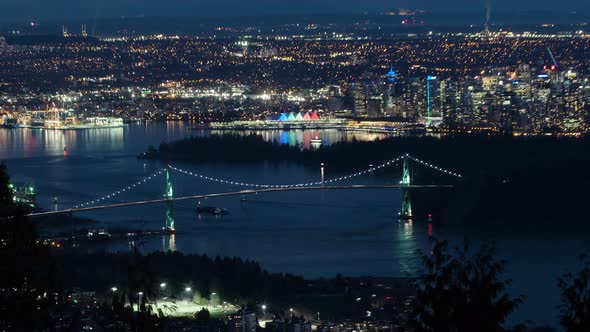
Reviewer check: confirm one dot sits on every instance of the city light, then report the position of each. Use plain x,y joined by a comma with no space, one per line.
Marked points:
246,108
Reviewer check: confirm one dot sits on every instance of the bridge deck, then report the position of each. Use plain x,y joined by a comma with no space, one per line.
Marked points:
232,193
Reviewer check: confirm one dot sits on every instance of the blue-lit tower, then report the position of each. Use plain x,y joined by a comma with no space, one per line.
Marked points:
391,75
390,89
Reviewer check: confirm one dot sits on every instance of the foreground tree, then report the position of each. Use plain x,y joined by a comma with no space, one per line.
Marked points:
26,278
574,310
462,291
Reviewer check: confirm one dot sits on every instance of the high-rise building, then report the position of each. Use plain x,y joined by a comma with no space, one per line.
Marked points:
360,99
375,106
243,321
490,83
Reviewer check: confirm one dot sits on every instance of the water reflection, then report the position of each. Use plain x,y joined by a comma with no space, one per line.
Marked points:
306,139
169,242
31,143
406,247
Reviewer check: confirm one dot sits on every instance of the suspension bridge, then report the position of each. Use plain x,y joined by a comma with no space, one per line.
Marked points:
406,186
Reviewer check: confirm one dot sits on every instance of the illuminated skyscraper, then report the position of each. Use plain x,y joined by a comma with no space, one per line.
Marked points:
243,321
429,78
360,99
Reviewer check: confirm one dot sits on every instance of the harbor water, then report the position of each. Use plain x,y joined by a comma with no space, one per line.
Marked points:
316,233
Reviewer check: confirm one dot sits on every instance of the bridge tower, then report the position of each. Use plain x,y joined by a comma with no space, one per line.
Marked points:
406,182
169,194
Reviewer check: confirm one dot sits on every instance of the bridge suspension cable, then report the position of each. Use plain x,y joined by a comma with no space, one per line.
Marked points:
308,184
440,169
388,163
120,191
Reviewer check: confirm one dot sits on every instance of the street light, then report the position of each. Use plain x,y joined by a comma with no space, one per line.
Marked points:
163,285
264,307
139,298
188,289
114,289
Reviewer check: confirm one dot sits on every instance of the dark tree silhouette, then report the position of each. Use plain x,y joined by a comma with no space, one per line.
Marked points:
203,315
26,277
461,291
574,310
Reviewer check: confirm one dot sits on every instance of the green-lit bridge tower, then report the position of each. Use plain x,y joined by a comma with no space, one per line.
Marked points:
406,182
169,194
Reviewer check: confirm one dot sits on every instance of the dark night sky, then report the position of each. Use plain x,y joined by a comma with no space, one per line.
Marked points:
17,10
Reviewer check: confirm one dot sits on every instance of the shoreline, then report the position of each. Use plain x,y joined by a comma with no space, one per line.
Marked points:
77,127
